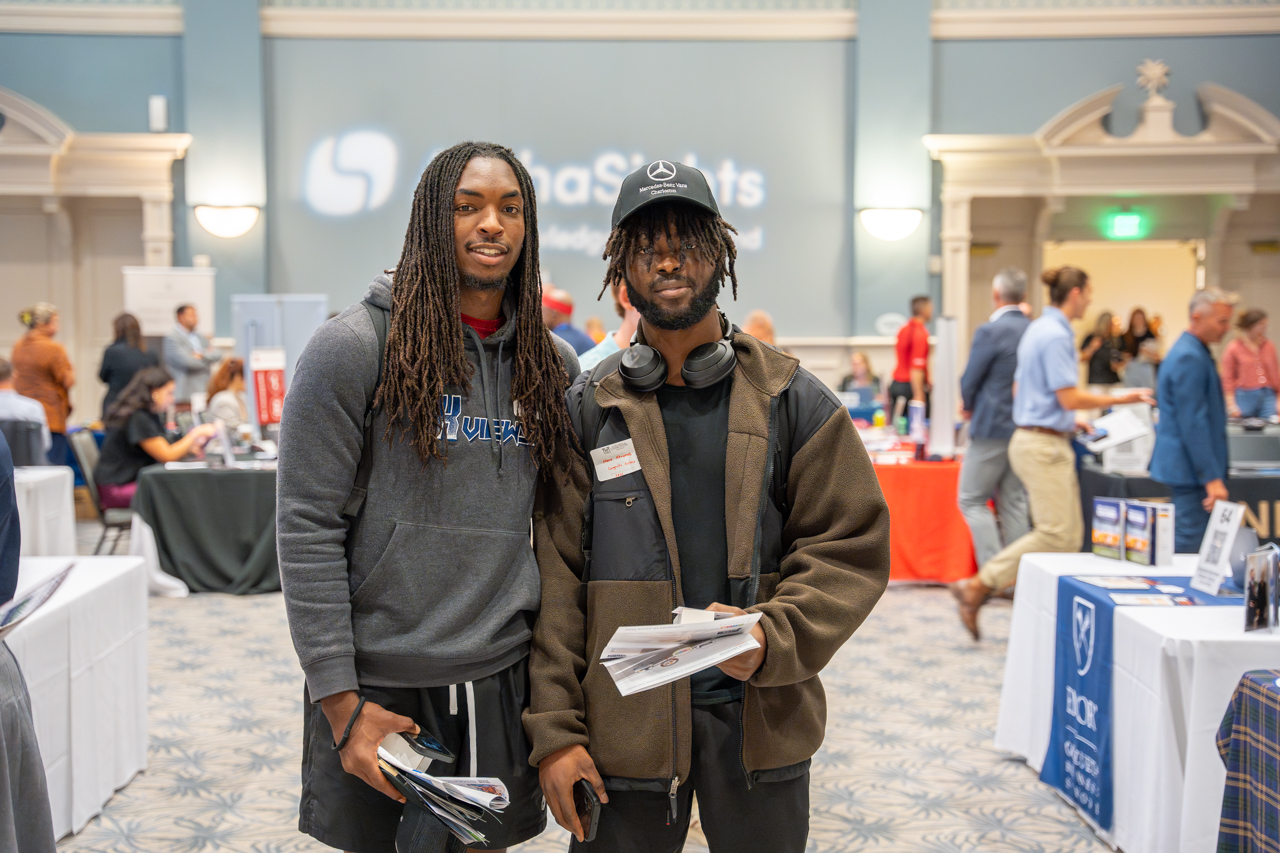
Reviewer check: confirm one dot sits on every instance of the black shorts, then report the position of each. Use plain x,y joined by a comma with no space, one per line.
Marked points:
340,810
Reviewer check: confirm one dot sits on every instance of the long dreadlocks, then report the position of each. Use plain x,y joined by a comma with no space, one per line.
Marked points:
425,352
708,230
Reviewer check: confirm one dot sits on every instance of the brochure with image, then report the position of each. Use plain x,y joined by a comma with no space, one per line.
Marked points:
457,801
642,657
13,612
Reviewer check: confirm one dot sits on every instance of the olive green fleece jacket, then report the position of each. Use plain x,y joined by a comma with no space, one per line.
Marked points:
814,578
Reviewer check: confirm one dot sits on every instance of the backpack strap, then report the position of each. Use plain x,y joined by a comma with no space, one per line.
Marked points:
355,503
590,416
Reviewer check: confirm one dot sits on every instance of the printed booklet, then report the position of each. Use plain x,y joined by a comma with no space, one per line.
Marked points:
642,657
13,612
456,800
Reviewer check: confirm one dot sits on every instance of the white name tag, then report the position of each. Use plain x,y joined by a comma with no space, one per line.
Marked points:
615,460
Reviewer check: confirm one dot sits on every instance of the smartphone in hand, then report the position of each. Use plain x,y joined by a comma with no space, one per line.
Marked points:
586,802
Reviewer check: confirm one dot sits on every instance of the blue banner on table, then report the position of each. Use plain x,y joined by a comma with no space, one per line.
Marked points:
1078,761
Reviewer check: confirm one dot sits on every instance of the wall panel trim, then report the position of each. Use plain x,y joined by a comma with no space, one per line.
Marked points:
83,18
1104,22
605,25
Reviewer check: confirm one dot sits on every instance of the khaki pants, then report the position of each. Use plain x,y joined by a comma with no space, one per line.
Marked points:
1046,464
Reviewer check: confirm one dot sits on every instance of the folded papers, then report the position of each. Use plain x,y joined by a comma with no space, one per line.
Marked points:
642,657
458,801
21,606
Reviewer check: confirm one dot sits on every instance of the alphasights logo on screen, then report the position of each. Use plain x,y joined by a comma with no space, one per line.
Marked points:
355,173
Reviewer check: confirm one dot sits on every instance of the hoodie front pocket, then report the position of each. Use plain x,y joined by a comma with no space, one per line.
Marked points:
446,591
626,539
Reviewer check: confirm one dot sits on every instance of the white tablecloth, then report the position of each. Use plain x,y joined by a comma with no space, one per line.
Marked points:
46,510
142,543
84,656
1174,670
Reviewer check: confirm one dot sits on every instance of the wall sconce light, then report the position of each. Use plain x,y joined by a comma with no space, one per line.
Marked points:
226,221
891,224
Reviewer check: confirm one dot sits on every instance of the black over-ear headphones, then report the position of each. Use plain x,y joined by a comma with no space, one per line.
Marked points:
644,369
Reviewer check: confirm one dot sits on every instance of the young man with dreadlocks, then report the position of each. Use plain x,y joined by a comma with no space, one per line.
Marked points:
750,491
406,491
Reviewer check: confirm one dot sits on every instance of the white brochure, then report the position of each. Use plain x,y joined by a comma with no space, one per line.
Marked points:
641,657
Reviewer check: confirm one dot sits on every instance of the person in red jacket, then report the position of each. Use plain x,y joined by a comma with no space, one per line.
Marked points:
911,376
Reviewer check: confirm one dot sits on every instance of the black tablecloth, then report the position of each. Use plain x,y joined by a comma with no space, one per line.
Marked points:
215,529
1259,492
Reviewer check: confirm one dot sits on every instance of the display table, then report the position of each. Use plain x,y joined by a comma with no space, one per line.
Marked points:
214,529
928,537
46,510
84,657
1257,491
1174,672
1247,743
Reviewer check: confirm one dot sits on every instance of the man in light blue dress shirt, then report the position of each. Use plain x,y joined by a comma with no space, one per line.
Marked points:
614,341
1045,400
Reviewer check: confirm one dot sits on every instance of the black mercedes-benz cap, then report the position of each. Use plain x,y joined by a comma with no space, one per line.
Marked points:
662,180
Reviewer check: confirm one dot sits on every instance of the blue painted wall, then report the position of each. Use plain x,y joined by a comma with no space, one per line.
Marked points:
1017,86
95,83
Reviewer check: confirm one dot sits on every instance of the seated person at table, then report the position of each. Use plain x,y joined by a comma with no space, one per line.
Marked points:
135,436
15,407
226,394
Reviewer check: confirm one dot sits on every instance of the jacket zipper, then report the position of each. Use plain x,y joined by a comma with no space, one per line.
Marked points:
753,588
675,746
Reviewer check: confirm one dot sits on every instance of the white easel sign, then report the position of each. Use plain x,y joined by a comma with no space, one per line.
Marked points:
1215,549
152,294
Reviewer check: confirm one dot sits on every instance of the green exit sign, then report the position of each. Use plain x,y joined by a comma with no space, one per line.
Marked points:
1125,225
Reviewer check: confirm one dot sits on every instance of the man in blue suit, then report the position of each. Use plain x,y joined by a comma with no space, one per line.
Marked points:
987,391
1190,456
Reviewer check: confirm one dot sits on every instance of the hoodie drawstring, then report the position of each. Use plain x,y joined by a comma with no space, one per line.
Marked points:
470,689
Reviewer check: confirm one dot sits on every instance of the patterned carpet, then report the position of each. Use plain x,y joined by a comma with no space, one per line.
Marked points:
907,766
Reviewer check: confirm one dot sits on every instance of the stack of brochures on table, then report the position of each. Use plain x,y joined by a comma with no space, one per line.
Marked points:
13,612
642,657
456,800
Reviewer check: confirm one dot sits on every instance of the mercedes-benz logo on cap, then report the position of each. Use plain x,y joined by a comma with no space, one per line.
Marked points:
661,170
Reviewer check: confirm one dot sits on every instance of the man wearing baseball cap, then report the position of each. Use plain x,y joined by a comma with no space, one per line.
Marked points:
748,491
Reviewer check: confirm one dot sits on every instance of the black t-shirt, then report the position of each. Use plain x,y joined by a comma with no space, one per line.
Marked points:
122,456
1100,372
697,425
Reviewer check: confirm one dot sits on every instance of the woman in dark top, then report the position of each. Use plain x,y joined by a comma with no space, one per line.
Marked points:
124,358
135,436
1138,332
1101,350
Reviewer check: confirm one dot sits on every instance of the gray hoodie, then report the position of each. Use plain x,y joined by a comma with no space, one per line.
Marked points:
435,583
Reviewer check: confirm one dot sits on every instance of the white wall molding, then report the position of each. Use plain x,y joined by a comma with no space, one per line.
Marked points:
122,19
806,25
1104,22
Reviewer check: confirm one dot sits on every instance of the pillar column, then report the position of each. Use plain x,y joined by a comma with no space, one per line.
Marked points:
957,239
892,169
226,164
157,230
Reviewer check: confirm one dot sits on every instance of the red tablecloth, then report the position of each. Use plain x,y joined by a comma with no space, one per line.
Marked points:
928,538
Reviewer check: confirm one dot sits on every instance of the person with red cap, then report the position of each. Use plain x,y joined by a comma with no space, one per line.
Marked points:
557,312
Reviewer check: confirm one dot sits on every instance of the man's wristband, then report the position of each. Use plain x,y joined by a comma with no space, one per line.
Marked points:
346,733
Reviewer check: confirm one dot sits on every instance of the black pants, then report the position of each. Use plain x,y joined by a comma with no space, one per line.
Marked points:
771,817
340,810
903,390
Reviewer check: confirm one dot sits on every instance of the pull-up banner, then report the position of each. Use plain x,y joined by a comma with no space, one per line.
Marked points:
1078,762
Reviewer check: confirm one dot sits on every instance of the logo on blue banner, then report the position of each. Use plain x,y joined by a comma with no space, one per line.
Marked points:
1083,619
